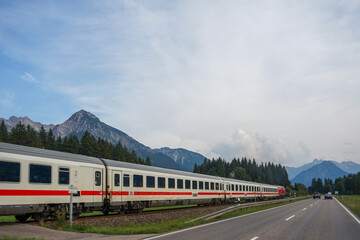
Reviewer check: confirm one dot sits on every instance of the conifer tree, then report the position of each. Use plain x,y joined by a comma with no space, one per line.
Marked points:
4,134
50,140
18,134
148,161
43,136
73,144
32,138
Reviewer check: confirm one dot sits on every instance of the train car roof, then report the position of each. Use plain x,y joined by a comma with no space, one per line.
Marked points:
38,152
128,165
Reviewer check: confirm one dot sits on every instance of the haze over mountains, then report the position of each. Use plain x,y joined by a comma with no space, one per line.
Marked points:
82,121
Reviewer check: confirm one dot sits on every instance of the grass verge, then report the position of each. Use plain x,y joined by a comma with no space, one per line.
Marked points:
166,226
352,202
12,238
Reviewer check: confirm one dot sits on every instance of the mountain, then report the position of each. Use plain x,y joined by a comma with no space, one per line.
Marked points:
326,169
12,121
183,157
293,171
348,166
82,121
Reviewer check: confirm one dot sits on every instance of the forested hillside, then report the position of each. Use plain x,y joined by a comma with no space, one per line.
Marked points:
88,145
245,169
348,185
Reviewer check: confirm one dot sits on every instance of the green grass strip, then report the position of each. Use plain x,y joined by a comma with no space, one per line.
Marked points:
352,202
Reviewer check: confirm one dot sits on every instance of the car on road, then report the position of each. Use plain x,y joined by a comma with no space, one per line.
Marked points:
328,196
316,195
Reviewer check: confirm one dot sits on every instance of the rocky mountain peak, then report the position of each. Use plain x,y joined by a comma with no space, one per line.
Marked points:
82,116
83,121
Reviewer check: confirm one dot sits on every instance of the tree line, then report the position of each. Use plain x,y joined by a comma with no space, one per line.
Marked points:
245,169
88,145
347,185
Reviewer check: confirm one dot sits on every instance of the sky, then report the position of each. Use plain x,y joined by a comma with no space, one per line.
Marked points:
277,81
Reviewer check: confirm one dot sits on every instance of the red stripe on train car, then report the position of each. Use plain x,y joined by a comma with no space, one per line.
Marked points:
92,193
16,192
120,193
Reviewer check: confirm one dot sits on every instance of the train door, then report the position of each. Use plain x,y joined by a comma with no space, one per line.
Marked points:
126,186
98,187
116,187
226,191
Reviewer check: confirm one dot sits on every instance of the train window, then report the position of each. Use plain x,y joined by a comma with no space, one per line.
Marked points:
206,185
161,182
194,184
117,180
180,184
221,186
201,185
237,188
217,186
126,180
40,173
64,176
187,184
246,188
212,186
171,183
232,187
150,181
138,180
9,172
97,178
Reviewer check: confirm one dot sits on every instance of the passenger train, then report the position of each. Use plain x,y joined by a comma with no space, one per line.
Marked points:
36,182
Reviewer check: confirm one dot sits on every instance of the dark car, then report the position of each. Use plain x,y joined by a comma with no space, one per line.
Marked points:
316,195
328,196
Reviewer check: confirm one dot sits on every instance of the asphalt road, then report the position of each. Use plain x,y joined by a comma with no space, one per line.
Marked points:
308,219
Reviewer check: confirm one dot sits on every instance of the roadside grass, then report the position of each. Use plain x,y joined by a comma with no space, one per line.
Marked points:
167,226
10,219
6,219
13,238
352,202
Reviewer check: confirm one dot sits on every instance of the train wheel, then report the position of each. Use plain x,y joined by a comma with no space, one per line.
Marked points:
40,216
122,211
22,218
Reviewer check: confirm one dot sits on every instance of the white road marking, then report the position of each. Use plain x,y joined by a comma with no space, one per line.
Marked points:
289,218
357,220
208,224
254,238
304,209
311,205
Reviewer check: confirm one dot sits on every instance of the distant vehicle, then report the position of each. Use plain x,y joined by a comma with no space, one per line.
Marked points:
328,196
316,195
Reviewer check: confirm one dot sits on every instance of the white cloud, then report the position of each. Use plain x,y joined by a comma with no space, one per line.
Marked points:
29,78
186,74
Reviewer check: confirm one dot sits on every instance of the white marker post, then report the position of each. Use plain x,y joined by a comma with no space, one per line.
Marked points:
72,190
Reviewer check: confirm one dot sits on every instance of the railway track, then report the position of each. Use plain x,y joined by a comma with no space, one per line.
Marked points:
115,220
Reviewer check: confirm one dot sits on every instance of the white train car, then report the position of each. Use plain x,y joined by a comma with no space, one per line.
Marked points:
36,181
133,187
238,189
